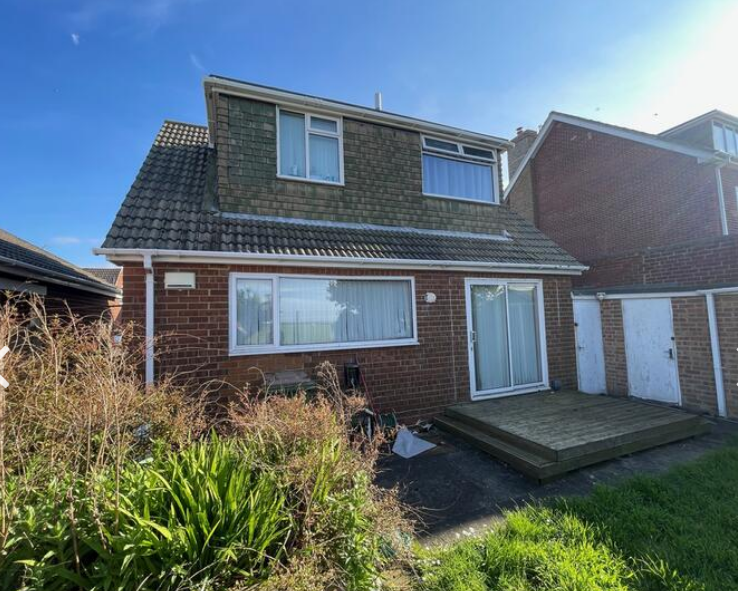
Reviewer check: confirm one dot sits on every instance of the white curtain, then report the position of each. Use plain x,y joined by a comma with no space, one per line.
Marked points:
324,158
443,176
489,318
254,312
291,144
524,344
324,311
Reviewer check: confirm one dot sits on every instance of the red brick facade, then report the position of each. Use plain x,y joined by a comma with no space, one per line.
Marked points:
694,355
597,194
704,263
613,340
726,308
416,381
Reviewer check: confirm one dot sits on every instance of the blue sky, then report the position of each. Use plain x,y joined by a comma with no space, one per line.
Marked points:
86,84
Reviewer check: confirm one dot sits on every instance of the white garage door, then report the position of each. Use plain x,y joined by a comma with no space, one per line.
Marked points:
590,352
649,349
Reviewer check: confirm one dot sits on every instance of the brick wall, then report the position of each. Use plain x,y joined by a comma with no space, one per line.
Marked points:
613,340
382,176
521,197
726,309
694,355
415,381
703,263
599,195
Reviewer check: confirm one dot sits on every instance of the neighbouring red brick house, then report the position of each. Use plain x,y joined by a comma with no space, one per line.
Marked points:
294,229
655,217
64,287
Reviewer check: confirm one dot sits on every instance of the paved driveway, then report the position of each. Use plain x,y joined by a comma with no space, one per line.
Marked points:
456,488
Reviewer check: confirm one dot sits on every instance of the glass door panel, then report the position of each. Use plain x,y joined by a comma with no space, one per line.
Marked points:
524,339
489,323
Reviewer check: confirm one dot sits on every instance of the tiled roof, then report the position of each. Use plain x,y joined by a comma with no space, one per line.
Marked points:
26,258
107,274
171,207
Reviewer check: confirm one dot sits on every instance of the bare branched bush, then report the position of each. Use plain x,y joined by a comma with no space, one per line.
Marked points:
76,400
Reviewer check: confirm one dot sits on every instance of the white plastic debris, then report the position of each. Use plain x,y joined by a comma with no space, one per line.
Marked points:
408,445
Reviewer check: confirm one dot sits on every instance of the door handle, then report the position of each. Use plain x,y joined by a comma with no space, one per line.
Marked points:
671,352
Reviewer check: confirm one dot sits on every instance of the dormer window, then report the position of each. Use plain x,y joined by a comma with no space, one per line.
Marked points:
459,171
309,147
725,138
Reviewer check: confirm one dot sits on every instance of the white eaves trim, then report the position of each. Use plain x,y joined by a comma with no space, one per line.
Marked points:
293,100
230,258
613,130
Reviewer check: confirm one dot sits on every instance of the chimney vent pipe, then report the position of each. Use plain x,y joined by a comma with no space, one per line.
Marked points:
378,101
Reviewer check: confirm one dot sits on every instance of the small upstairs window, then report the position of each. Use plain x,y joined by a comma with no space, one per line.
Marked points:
725,138
310,147
458,171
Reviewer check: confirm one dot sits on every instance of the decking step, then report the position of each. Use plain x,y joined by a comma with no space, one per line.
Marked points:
542,468
530,464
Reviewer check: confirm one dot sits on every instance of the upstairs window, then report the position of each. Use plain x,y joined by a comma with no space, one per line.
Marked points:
309,147
725,138
458,171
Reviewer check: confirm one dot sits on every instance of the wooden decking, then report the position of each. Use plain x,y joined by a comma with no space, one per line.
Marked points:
545,435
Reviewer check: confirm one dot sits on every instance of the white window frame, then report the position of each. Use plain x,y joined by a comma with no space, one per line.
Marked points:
308,132
462,157
542,348
236,350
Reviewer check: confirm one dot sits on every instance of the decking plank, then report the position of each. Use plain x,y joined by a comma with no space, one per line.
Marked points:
569,427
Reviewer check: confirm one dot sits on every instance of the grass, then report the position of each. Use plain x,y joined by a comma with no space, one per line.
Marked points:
674,532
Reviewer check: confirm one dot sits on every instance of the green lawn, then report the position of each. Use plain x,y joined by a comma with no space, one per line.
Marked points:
676,532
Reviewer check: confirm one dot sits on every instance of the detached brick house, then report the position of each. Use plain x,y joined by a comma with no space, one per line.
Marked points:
27,269
655,218
294,229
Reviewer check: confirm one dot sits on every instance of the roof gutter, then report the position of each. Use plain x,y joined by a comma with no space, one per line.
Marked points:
301,101
215,257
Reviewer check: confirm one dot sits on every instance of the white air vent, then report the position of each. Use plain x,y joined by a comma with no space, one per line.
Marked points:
174,280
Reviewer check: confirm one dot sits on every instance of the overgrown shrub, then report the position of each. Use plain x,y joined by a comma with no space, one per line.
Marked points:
107,484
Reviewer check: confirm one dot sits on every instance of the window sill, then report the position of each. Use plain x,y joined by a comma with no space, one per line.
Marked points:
241,351
464,199
299,179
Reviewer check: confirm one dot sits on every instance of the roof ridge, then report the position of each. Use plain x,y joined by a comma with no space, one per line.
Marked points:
187,123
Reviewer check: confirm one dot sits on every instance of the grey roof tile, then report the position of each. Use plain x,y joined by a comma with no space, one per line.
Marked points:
27,257
165,209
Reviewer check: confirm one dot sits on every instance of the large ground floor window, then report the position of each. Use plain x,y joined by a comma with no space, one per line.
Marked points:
282,313
506,336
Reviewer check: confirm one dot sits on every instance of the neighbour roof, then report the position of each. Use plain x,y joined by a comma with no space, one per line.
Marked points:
714,114
624,132
106,274
169,207
27,260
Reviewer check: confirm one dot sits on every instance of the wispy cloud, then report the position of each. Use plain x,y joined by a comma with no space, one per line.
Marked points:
195,61
151,14
73,241
75,38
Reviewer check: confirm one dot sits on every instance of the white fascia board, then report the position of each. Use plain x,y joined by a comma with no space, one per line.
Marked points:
230,258
635,136
300,101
